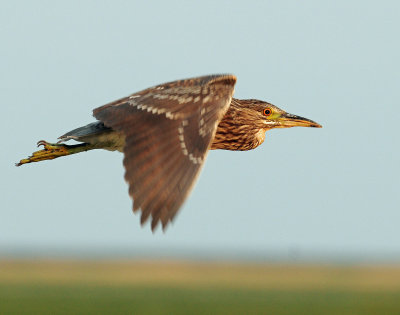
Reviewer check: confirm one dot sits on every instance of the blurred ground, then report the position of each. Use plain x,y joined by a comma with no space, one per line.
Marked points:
148,287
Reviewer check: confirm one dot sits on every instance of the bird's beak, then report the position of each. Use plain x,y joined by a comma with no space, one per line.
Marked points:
288,120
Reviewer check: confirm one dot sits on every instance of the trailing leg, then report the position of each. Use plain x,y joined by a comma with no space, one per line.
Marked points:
54,150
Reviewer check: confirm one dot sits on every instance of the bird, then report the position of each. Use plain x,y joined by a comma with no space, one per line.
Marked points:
165,133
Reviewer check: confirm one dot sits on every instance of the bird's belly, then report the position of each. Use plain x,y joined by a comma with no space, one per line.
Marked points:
110,140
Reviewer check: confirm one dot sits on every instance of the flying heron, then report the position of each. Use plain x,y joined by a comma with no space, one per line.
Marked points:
165,133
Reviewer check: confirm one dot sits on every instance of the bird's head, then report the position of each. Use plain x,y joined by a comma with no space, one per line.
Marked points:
246,121
269,116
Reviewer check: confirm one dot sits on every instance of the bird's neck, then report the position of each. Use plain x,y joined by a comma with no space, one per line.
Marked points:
237,130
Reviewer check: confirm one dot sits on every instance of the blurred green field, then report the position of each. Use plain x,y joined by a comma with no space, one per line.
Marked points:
126,287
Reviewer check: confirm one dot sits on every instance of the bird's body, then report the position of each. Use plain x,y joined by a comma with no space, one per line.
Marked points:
165,133
234,131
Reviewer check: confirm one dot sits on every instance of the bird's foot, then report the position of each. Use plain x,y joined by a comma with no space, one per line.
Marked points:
50,151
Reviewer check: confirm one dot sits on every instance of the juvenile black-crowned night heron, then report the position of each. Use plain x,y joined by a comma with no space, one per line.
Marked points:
165,133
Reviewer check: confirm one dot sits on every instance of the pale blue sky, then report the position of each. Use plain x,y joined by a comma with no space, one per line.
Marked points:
334,189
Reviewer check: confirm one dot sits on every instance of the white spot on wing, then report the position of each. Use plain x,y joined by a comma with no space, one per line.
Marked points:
156,110
194,159
206,99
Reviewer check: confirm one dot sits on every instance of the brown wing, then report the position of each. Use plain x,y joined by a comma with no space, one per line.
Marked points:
169,129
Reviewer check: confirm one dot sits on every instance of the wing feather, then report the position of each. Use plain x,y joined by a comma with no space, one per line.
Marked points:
168,131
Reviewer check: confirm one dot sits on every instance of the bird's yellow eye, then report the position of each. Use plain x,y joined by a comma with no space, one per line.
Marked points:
267,112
